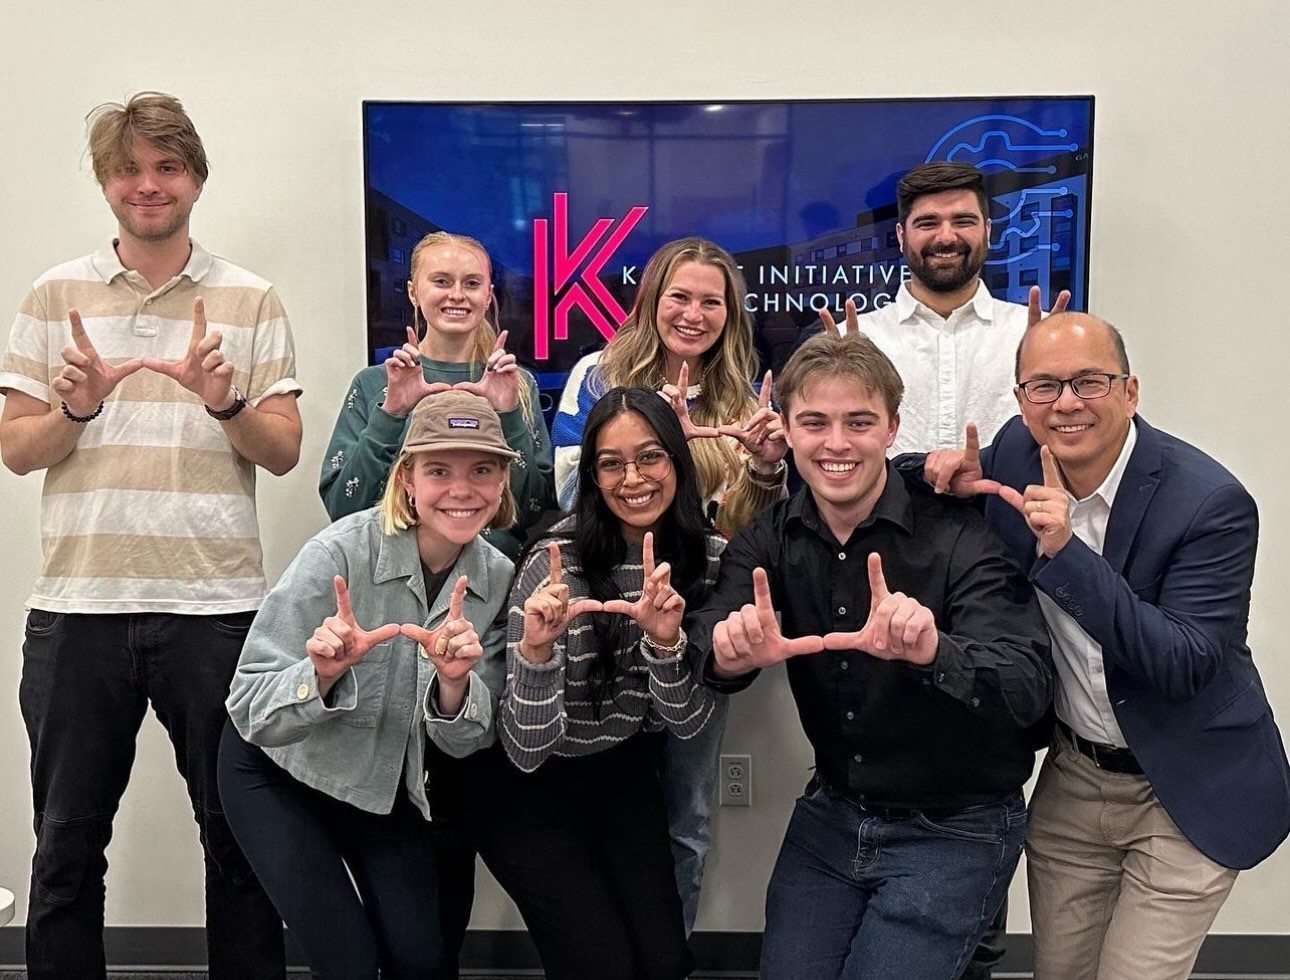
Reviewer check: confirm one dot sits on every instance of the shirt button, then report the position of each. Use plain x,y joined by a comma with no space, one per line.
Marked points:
424,655
473,711
851,715
842,610
858,757
940,678
1097,668
845,665
302,691
975,702
842,556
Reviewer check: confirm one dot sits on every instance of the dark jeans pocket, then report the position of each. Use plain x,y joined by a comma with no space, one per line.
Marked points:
234,624
985,824
42,622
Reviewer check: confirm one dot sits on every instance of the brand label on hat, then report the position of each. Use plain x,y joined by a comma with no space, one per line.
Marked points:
462,422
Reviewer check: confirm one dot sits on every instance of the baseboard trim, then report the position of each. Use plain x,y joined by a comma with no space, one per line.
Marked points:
162,948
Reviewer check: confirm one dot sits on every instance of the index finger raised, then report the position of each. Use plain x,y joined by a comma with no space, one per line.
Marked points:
973,444
79,337
343,607
553,553
647,555
830,324
199,319
500,344
877,580
457,599
853,317
761,591
1052,472
767,386
1034,312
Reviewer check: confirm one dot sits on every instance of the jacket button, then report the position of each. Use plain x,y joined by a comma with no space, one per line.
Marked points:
302,691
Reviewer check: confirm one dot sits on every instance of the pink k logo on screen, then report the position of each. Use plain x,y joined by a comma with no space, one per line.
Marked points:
572,278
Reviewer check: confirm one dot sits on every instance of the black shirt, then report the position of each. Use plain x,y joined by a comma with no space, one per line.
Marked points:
890,733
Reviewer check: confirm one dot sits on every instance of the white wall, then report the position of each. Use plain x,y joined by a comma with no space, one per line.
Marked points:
1191,102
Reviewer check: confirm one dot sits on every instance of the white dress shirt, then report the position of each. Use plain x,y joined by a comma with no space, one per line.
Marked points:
1081,699
957,369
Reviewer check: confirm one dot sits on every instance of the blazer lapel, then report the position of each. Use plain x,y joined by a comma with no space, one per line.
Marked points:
1137,487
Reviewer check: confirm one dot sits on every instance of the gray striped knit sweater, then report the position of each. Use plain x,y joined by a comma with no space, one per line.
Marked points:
546,710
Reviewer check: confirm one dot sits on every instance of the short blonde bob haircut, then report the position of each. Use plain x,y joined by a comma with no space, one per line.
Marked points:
397,513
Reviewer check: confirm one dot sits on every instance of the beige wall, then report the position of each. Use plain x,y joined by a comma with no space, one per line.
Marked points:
1191,101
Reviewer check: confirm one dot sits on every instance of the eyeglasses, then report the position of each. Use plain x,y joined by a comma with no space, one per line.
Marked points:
1045,391
653,465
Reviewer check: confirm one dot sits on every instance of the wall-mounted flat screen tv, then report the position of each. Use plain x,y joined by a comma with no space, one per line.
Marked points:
571,198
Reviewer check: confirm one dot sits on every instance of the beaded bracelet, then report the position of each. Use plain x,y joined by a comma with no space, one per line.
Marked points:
67,413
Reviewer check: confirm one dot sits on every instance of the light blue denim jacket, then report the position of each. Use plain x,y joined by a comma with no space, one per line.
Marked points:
373,734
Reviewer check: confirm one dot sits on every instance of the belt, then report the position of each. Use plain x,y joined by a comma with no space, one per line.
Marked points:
933,813
1108,757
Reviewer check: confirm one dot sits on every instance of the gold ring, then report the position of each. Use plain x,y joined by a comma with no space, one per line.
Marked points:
1039,505
441,644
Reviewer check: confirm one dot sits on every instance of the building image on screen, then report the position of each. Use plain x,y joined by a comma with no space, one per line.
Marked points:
570,199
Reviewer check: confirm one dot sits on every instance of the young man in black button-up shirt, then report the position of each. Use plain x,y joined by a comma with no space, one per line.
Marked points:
918,658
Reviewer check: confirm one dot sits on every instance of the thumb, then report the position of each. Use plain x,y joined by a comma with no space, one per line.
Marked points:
418,634
1012,498
382,633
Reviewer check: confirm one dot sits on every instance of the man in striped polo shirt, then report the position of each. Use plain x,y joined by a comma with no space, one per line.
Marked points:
148,380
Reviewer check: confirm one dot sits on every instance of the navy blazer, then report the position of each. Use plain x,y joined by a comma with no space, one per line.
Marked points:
1169,602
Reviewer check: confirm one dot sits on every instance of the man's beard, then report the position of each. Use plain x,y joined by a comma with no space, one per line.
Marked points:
946,278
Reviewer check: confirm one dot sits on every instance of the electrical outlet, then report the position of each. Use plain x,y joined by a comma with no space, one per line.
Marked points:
736,780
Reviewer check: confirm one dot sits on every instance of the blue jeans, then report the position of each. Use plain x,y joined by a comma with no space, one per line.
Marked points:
87,681
861,896
688,772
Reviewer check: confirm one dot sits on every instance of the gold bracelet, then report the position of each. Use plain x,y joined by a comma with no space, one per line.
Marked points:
668,651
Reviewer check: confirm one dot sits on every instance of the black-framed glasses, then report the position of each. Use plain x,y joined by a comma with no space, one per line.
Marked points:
653,465
1045,391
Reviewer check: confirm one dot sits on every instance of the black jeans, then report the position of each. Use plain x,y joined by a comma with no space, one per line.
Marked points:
449,784
358,890
581,846
86,682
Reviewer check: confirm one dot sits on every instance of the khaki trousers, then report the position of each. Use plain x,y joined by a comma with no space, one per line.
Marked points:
1116,891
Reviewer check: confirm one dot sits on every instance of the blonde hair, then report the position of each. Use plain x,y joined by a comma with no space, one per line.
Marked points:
485,335
153,117
398,515
636,355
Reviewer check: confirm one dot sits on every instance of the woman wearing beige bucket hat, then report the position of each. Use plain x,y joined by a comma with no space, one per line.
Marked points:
378,637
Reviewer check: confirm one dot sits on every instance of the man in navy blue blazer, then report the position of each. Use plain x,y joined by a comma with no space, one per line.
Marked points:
1166,773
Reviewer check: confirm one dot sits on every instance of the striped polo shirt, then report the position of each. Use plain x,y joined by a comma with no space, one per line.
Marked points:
153,511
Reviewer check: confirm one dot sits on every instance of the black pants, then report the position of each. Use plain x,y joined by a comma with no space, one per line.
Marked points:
306,846
581,846
449,784
87,681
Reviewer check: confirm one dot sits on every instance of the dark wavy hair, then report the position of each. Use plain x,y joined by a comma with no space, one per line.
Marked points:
597,536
